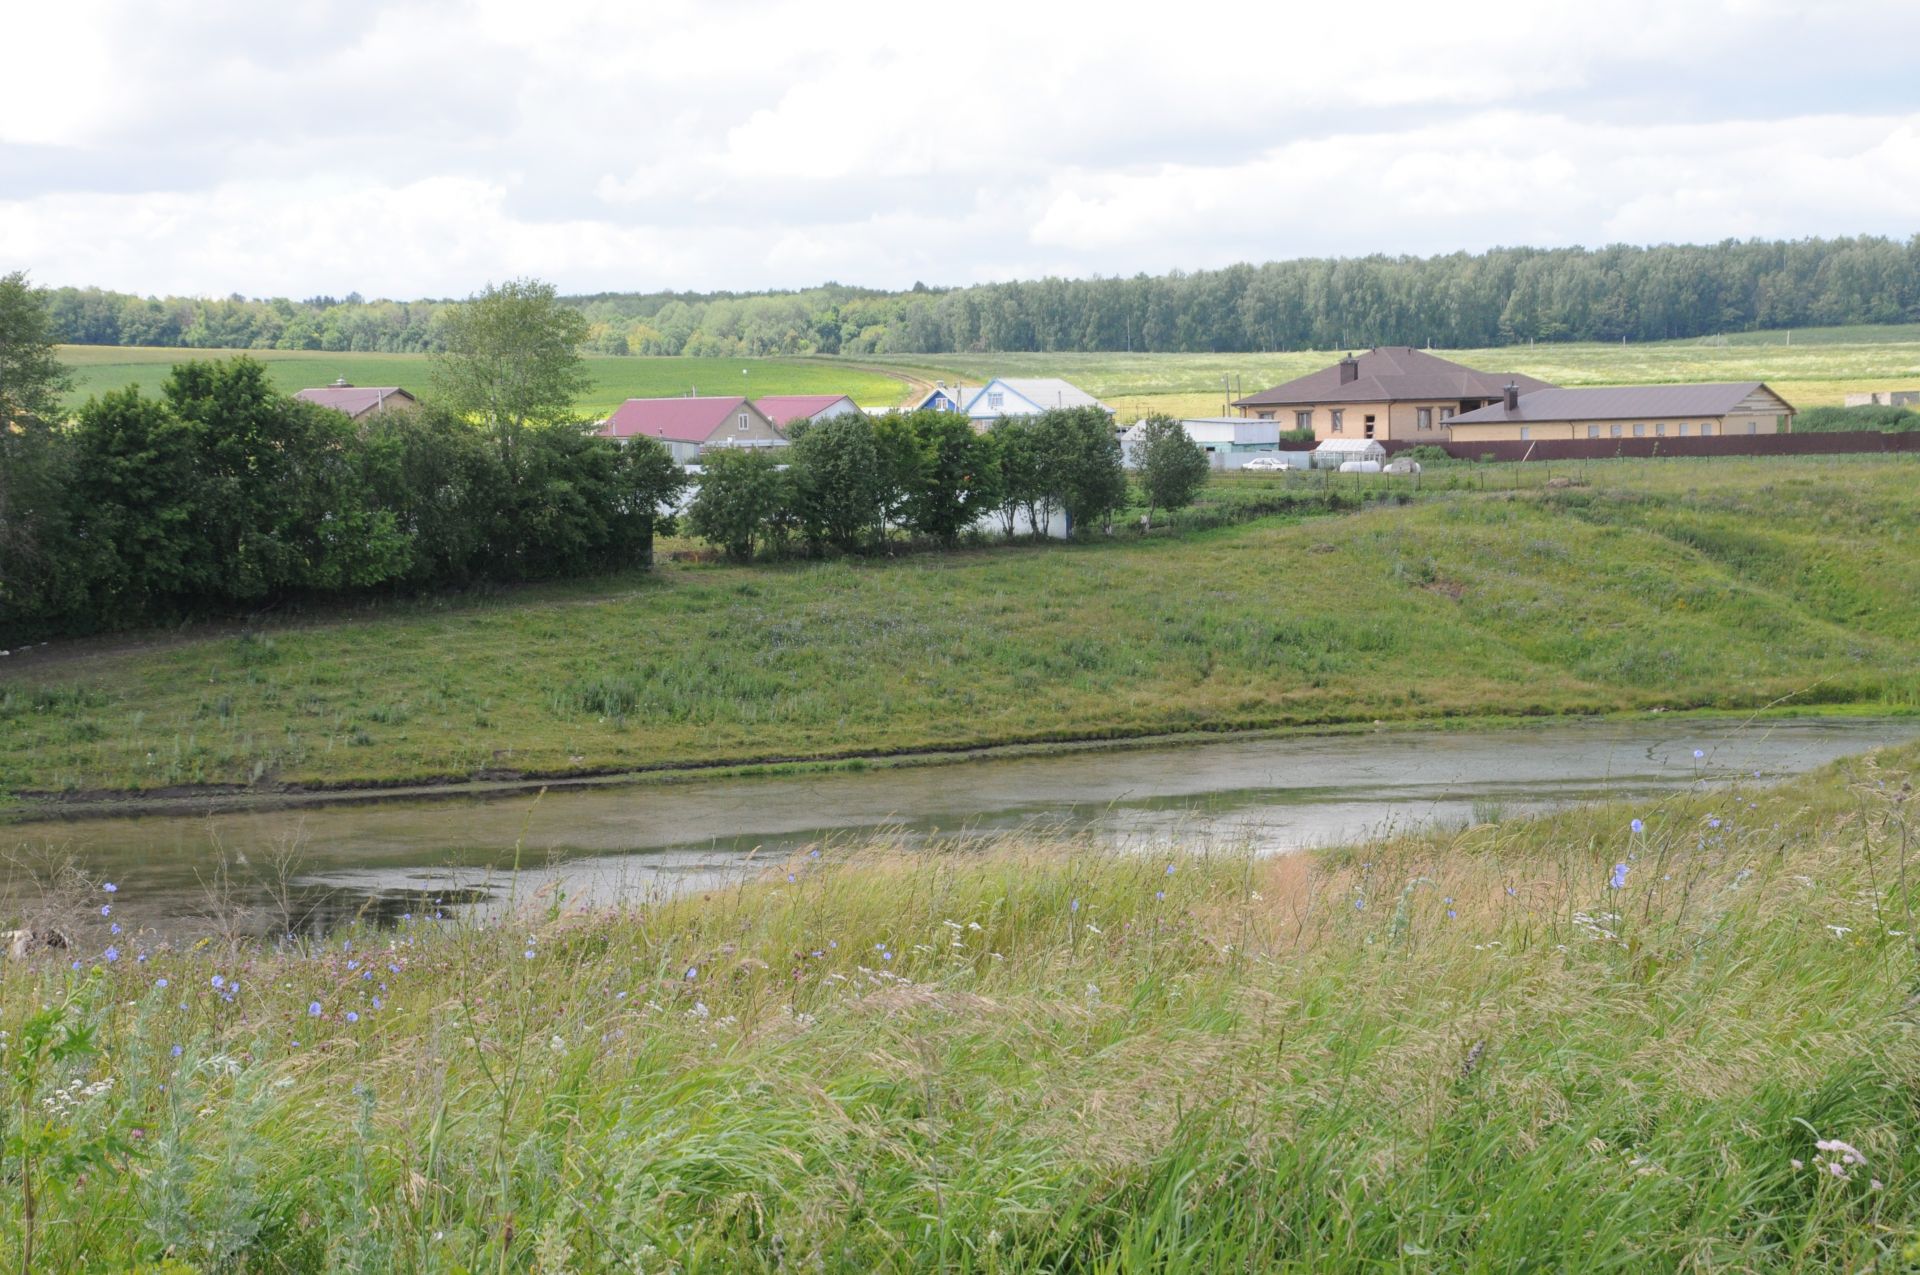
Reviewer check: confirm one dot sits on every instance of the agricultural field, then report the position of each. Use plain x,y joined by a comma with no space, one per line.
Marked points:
97,369
1723,584
1815,368
1665,1035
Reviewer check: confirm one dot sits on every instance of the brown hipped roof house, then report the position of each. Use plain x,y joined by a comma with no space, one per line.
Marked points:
1390,392
1628,411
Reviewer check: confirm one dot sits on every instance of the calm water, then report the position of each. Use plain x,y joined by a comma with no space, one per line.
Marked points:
625,842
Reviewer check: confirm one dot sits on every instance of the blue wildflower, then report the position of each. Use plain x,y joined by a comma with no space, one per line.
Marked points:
114,928
106,909
1159,894
1449,914
111,888
693,971
353,1016
1638,826
1169,869
112,954
218,981
1618,880
1697,754
1074,906
313,1009
529,954
177,1051
159,982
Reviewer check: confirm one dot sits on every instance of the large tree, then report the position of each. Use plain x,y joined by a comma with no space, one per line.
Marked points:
511,357
956,479
1172,467
742,493
1080,457
838,487
32,456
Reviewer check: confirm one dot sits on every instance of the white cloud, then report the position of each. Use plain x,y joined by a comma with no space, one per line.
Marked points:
427,146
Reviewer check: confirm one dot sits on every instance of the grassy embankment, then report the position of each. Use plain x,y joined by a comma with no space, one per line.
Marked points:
1562,1044
97,369
1817,368
1723,584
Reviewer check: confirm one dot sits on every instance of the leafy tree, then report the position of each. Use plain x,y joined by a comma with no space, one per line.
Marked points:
1172,467
897,448
1080,458
837,484
511,357
33,457
742,493
1015,452
956,479
139,502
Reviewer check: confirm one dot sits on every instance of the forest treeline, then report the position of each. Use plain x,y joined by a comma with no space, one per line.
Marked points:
1461,300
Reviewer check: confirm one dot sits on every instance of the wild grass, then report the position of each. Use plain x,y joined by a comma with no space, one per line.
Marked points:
1574,1042
97,369
1658,584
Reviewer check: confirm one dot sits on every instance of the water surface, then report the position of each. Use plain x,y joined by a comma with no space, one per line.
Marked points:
305,869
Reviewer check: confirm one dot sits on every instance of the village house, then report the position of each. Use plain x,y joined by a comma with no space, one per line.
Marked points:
1627,411
784,409
690,425
941,398
1391,392
359,401
1025,396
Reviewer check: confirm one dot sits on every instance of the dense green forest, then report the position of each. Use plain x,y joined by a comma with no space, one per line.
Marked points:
1458,301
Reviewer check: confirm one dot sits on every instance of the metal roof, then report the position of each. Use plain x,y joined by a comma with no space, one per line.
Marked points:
1619,403
1391,374
355,400
782,408
1044,392
679,420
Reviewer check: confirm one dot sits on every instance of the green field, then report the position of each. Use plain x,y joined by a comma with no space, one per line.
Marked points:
97,369
1815,369
1564,1044
1727,584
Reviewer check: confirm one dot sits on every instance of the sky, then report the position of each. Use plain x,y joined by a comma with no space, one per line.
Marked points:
426,149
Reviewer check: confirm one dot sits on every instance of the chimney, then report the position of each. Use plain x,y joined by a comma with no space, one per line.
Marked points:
1349,370
1513,397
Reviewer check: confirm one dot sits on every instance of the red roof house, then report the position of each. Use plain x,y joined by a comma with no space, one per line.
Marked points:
689,424
784,409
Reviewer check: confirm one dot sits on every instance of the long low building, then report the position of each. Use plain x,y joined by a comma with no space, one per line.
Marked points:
1627,411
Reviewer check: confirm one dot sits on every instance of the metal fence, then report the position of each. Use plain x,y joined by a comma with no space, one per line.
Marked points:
1838,444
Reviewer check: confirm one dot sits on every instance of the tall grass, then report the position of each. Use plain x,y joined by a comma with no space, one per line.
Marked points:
1549,1044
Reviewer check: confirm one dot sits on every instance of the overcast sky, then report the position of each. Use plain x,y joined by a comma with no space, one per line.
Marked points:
425,149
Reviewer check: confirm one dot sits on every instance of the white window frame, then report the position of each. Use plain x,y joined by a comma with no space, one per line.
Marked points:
1339,417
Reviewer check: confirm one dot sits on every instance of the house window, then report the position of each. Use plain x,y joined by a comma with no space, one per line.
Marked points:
1446,414
1593,431
1303,420
1683,429
1660,429
1525,433
1339,419
1613,431
1266,416
1706,427
1640,431
1753,427
1426,418
995,399
1369,424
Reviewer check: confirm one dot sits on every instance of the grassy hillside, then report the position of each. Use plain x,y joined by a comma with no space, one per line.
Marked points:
1728,583
1816,369
97,369
1658,1037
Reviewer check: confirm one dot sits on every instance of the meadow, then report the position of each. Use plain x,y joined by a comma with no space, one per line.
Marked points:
1657,1036
97,369
1814,368
1729,584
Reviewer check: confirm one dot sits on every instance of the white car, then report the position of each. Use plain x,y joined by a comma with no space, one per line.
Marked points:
1267,463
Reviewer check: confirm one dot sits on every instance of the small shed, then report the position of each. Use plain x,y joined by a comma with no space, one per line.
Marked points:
1335,452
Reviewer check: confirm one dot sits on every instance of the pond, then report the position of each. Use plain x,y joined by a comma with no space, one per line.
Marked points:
267,871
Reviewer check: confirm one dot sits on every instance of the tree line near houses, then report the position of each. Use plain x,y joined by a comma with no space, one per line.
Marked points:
1460,300
221,493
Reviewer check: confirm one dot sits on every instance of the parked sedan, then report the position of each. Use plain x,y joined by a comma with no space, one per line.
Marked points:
1267,463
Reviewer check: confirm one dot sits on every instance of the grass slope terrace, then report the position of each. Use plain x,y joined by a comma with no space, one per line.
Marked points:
1651,1037
1707,584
